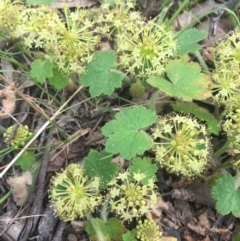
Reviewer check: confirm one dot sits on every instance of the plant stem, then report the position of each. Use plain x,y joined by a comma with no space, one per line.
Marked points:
221,150
202,62
182,6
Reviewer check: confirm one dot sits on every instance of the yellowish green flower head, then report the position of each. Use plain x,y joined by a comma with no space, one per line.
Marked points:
74,194
181,145
38,26
232,128
130,198
228,51
10,15
17,138
226,85
119,17
148,231
226,80
144,49
69,41
75,42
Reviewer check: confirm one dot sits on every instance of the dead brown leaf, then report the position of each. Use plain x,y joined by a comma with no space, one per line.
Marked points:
8,101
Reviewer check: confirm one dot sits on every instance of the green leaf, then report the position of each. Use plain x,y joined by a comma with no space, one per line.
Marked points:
124,135
100,165
185,81
112,230
45,2
187,41
129,236
26,160
58,80
99,76
226,195
200,113
143,166
41,70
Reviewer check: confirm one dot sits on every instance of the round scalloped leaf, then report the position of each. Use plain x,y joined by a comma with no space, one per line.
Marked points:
185,81
99,76
125,135
26,160
226,195
100,165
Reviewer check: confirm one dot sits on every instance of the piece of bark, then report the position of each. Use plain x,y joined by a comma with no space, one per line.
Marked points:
47,224
38,199
195,192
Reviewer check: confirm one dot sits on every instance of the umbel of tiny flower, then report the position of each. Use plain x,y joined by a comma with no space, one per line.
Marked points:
232,128
74,194
75,43
38,26
227,52
226,84
10,15
144,49
69,43
181,145
115,19
19,137
130,198
226,81
148,231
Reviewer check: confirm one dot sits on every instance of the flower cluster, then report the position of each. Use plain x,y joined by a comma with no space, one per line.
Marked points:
74,194
181,145
232,128
10,15
70,39
228,51
68,43
129,198
118,18
18,137
144,49
226,85
226,80
75,43
148,231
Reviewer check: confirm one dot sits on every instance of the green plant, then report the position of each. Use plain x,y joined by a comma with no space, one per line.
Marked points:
63,47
